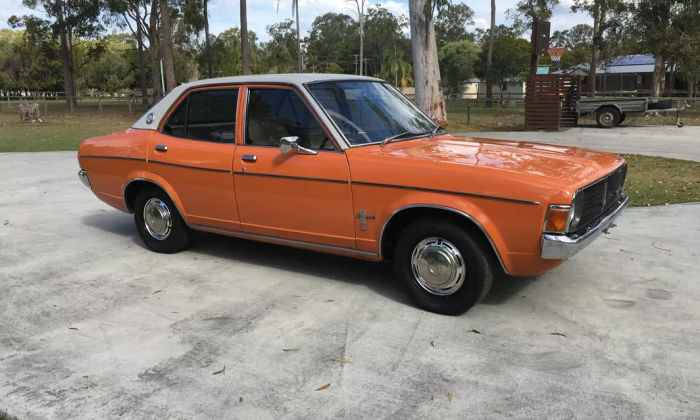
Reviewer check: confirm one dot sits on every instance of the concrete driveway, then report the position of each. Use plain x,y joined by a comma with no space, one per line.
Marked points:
667,141
94,326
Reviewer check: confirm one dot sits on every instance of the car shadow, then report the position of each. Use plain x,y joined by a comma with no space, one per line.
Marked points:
379,277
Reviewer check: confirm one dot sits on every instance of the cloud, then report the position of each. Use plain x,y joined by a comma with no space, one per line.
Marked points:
225,14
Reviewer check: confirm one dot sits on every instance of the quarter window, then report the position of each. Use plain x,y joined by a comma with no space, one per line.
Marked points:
208,115
276,113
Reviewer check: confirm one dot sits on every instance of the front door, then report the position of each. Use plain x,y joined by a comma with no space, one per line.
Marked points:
193,151
299,197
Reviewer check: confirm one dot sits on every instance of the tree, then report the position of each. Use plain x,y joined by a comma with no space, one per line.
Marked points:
579,37
426,68
167,46
396,69
333,68
489,57
155,49
69,21
457,62
525,15
451,24
244,39
281,50
601,11
359,10
664,27
383,30
511,56
333,38
295,7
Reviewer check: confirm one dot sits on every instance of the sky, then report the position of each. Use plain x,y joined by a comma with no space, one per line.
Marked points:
225,14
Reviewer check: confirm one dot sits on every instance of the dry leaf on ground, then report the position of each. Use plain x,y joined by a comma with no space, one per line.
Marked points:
323,387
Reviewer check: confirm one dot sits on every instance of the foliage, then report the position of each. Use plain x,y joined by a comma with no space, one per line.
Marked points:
395,69
511,60
333,68
578,37
457,62
525,11
451,24
481,36
383,30
333,38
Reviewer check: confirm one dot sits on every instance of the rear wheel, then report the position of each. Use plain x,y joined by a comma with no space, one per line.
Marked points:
622,118
442,267
608,117
159,223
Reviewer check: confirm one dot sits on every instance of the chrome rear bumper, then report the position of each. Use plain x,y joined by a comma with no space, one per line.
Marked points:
561,247
84,178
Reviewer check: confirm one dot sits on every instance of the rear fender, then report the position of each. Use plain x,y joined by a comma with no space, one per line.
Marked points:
157,181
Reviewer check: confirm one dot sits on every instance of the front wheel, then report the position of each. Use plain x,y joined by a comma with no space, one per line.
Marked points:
159,223
442,267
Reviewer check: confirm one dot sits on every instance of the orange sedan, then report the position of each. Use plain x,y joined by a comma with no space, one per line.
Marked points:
347,165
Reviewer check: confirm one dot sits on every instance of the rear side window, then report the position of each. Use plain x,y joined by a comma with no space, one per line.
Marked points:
208,115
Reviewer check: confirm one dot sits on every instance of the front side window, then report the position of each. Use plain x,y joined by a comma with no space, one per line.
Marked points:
208,115
369,112
276,113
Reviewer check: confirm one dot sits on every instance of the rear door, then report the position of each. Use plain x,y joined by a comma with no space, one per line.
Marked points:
299,197
193,151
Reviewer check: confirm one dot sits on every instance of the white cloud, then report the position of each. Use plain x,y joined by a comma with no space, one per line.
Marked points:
9,8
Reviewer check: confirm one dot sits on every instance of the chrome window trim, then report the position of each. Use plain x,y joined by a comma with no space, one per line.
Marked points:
433,206
131,211
347,142
282,240
299,92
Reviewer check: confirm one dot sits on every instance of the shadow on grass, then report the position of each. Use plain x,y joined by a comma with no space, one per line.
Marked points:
379,277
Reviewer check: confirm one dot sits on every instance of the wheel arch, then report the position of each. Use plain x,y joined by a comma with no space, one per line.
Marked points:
403,216
602,107
136,184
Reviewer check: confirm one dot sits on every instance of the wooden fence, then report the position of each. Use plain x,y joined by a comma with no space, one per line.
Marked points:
549,101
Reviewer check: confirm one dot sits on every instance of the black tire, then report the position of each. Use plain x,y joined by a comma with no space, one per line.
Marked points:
622,118
180,235
477,264
607,117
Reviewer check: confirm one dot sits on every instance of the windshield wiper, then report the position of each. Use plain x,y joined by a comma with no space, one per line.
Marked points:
435,130
396,137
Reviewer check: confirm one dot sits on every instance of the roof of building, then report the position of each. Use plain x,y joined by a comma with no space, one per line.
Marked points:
633,60
626,64
151,119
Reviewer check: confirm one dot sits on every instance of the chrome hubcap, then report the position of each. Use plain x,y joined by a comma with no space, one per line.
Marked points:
156,217
438,266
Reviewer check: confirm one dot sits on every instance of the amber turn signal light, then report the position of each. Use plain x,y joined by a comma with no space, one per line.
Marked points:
557,220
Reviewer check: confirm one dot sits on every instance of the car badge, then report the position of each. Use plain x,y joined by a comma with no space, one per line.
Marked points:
149,118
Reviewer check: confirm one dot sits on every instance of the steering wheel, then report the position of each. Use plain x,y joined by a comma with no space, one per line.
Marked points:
346,126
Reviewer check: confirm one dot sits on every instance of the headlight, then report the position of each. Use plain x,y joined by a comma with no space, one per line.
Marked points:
576,211
557,219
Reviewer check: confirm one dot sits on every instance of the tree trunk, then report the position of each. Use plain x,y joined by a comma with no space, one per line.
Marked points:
208,42
534,54
689,89
167,47
244,39
658,79
142,65
426,69
362,38
489,57
68,85
594,53
154,50
298,39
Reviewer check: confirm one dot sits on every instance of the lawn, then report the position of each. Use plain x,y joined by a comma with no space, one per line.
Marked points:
657,181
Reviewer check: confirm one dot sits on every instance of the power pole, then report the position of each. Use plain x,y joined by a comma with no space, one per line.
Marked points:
356,55
365,60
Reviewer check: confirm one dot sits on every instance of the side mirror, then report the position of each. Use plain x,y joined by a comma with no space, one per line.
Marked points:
289,143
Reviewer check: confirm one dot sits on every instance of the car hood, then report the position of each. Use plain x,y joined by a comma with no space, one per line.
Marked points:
569,165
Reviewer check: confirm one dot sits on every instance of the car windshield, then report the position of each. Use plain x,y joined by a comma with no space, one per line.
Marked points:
369,112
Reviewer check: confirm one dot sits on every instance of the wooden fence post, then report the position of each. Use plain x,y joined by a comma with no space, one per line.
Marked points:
469,113
99,103
128,99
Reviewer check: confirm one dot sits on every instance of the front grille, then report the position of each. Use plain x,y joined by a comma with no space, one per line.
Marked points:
600,196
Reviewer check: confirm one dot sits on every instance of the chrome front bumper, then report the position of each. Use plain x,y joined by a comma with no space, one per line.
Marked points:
84,178
561,247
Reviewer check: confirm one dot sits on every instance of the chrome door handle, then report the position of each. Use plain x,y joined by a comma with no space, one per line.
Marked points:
161,148
249,158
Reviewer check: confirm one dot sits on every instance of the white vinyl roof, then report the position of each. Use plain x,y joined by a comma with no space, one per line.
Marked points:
156,113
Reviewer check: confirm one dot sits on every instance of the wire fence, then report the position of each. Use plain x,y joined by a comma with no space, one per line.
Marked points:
49,103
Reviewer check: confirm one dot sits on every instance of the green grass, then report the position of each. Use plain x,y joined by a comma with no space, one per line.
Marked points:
5,416
657,181
58,131
483,119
